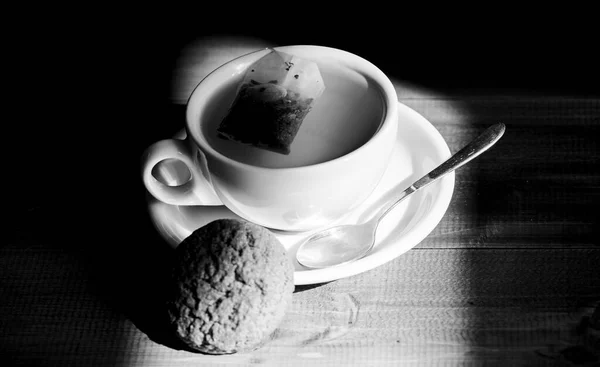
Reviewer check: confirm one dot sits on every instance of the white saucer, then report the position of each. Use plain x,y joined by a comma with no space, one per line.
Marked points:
419,149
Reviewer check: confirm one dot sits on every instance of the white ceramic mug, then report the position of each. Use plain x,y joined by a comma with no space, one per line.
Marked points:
337,159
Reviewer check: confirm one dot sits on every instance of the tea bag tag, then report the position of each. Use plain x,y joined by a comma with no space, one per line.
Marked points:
291,72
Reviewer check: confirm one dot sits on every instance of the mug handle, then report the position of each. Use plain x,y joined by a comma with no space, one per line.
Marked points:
196,191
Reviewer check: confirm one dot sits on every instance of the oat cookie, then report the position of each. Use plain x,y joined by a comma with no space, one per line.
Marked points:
231,283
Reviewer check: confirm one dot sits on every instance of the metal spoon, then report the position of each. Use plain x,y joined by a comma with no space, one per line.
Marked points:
342,244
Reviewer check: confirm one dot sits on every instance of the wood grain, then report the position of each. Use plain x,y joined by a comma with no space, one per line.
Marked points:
426,307
534,187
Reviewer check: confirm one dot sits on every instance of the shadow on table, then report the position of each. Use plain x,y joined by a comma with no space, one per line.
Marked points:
65,292
82,267
534,239
133,279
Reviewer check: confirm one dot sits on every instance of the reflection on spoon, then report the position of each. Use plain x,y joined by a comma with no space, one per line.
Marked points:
342,244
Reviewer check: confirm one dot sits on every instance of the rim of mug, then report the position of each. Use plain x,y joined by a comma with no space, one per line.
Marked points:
386,87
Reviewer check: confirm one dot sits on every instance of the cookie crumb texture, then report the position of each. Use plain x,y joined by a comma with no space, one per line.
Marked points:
231,284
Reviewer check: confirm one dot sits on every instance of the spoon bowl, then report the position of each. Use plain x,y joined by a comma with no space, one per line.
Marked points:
346,243
337,245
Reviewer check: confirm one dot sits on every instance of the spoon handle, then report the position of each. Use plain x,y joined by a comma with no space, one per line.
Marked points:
477,146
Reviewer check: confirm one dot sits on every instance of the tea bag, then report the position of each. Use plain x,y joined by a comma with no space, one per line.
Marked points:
276,94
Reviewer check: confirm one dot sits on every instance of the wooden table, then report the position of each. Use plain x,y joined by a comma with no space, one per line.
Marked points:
510,276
